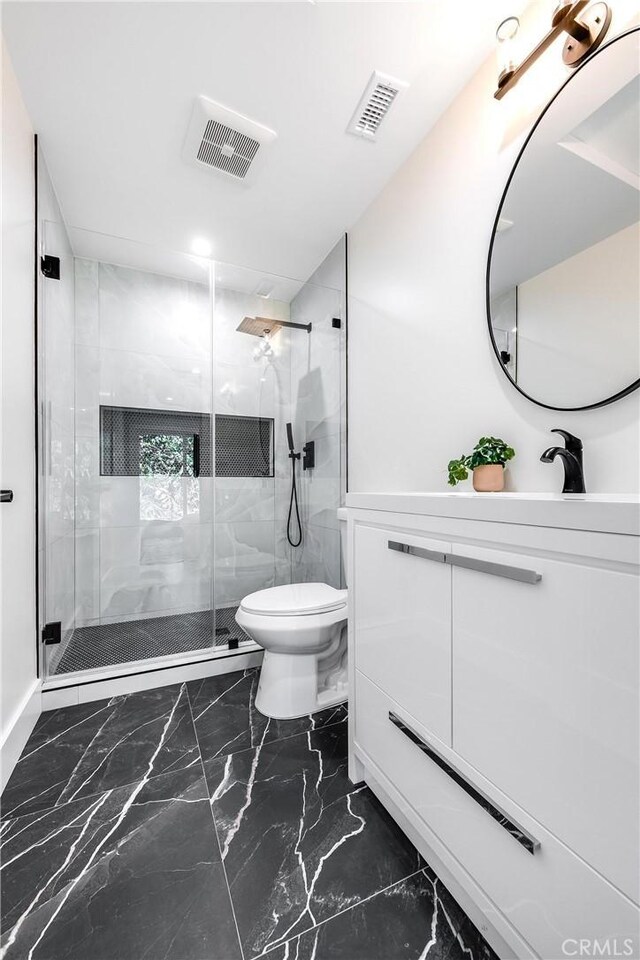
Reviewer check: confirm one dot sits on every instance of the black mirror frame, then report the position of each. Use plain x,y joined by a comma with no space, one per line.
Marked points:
636,383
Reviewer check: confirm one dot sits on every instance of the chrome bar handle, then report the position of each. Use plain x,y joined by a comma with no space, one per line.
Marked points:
469,563
494,569
417,551
513,828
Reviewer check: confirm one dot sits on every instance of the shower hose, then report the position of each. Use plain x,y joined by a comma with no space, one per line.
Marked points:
294,501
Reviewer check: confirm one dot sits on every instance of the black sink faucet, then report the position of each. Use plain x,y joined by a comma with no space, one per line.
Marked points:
571,455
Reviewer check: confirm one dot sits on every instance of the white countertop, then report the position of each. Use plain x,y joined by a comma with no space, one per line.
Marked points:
603,513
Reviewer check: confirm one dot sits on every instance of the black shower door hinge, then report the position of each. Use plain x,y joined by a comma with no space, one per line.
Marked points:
336,323
52,632
50,267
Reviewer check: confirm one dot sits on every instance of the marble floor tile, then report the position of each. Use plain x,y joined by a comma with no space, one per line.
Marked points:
110,850
227,721
131,873
78,751
409,920
316,760
296,854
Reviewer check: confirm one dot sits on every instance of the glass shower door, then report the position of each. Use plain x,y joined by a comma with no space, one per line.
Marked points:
135,587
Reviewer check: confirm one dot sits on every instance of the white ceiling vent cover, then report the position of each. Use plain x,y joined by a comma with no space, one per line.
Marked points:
225,141
374,105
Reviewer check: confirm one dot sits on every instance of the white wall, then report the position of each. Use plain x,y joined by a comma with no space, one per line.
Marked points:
594,351
18,683
423,380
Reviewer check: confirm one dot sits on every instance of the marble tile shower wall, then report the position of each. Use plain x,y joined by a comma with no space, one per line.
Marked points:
56,386
144,545
318,378
249,554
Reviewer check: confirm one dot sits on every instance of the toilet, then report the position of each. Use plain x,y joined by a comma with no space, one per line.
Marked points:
302,628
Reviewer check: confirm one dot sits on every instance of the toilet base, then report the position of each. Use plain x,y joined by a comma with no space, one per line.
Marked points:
288,687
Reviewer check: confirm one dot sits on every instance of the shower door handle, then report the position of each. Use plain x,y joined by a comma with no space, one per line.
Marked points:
6,496
196,454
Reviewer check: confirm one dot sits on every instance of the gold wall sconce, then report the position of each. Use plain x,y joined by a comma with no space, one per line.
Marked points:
585,24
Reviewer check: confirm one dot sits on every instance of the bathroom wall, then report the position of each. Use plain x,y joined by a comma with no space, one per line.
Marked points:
19,688
144,545
56,333
318,401
423,380
248,550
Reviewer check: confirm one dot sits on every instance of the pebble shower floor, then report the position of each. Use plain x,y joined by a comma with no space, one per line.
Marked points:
108,644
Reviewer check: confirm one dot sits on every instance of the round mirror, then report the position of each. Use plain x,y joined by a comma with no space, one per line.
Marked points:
563,276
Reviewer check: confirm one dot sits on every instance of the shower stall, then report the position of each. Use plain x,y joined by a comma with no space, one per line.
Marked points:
166,383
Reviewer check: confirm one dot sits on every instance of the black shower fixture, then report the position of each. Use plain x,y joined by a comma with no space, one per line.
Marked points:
309,455
293,501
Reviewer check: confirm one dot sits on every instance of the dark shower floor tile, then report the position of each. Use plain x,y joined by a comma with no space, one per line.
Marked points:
227,720
108,644
110,849
78,751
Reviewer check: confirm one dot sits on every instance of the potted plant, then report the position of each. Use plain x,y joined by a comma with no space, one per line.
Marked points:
487,463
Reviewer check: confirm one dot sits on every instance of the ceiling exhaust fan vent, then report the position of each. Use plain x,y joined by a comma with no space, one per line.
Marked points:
374,105
224,141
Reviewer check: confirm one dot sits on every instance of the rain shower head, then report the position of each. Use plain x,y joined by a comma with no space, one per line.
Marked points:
268,327
259,326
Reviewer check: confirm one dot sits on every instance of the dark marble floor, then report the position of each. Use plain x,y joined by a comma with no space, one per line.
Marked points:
181,824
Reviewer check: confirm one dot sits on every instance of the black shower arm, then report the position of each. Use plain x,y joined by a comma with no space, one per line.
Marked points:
294,326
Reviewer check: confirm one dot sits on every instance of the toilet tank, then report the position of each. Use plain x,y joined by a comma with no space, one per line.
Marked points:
342,519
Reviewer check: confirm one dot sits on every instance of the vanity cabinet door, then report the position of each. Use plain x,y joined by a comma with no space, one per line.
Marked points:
402,618
545,698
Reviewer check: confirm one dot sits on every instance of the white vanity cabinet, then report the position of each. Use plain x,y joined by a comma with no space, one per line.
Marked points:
494,706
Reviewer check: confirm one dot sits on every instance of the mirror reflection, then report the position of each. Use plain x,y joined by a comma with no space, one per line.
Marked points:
564,279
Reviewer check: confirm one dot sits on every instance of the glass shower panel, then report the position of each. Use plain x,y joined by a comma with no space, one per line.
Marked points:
164,422
318,394
142,467
56,416
278,372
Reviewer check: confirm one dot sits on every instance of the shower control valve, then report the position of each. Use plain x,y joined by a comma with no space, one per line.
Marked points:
309,458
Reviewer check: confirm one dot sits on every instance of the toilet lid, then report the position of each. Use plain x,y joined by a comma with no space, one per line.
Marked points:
295,599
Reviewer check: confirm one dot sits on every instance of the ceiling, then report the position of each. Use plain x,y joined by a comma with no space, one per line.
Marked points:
110,88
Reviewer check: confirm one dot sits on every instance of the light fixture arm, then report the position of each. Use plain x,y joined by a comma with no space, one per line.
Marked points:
585,26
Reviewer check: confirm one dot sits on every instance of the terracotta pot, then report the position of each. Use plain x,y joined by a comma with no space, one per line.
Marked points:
489,478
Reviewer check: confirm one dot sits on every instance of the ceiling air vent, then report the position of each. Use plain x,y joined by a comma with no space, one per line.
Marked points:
374,105
225,141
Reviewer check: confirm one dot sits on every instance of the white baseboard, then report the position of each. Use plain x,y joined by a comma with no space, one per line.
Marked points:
87,688
19,731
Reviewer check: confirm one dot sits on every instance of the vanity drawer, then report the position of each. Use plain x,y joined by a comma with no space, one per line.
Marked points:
402,621
550,895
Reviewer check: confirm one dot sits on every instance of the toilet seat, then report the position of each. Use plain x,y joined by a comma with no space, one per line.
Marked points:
294,600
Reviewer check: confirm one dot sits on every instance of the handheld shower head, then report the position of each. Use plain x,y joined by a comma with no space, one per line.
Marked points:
290,438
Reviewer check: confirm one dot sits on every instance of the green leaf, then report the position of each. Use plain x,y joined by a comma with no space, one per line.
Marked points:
487,450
